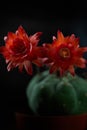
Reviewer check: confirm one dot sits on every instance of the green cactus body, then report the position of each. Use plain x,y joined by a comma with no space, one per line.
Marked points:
49,95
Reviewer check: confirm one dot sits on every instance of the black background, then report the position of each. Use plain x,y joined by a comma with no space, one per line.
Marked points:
67,16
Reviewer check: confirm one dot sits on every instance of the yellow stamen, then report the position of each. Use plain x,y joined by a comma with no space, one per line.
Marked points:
64,52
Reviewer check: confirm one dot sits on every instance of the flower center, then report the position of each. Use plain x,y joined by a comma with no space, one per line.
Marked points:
64,53
18,46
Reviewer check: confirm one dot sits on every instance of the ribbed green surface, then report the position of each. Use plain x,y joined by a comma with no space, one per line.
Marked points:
49,95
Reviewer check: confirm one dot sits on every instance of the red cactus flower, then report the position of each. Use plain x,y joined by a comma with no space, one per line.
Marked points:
64,54
21,50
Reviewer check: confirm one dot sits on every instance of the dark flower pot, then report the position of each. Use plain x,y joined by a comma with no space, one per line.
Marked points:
27,122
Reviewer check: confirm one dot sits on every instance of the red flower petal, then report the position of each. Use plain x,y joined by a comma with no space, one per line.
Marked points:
34,39
28,67
71,69
53,68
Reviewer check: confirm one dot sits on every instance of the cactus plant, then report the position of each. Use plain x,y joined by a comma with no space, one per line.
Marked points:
47,93
52,95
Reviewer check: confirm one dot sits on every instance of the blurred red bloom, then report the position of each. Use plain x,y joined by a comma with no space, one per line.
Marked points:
21,50
64,54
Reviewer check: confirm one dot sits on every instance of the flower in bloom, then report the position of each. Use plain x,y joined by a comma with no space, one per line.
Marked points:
64,54
21,50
